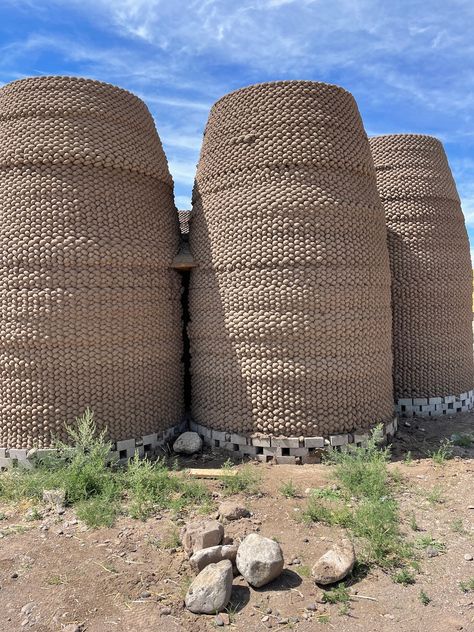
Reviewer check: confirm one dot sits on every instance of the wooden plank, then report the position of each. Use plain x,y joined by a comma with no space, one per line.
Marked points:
210,473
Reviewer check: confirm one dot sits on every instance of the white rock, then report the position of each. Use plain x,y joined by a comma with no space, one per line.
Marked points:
201,534
188,443
211,589
335,564
259,560
213,555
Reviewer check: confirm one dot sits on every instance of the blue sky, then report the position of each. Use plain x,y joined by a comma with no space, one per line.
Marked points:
409,63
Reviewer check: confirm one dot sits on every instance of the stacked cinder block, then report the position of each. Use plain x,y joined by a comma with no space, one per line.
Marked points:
290,304
431,276
88,231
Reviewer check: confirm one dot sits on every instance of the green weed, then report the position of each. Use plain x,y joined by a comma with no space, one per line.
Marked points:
289,490
303,571
426,541
463,440
467,586
457,526
247,480
425,600
443,453
339,594
436,495
404,577
364,481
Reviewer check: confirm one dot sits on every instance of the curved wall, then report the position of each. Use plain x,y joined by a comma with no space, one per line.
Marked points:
431,275
290,303
90,312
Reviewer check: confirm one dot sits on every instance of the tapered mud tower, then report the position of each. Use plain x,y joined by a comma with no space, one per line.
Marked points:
88,230
431,276
290,304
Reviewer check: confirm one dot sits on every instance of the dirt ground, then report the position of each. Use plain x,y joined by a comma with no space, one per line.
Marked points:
54,572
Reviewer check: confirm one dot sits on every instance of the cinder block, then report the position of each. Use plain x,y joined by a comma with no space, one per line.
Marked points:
429,408
336,440
435,400
405,402
151,439
3,453
248,450
360,437
126,444
239,439
314,442
311,459
298,451
449,399
5,463
285,442
261,442
437,412
420,401
272,451
286,460
220,436
21,454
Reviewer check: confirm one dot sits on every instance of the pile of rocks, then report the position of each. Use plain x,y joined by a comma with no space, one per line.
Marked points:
259,560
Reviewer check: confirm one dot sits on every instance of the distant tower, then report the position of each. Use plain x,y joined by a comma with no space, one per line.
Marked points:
431,276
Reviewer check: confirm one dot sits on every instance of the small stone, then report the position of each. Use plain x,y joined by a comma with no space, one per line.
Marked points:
145,594
165,611
222,619
335,564
211,589
201,534
265,618
312,607
14,575
28,608
232,511
259,560
187,443
431,551
55,498
468,557
213,555
283,621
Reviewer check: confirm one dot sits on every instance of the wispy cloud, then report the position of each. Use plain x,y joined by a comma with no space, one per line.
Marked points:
409,64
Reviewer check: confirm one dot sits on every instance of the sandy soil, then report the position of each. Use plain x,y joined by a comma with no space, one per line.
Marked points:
118,579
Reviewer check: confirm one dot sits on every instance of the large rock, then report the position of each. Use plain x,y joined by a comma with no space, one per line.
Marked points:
201,534
210,591
213,555
335,564
259,560
188,443
232,511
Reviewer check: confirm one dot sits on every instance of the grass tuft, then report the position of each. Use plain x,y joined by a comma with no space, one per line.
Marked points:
289,490
96,487
247,480
443,453
365,502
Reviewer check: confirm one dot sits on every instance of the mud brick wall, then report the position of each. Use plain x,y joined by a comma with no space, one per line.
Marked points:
290,305
431,275
90,311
